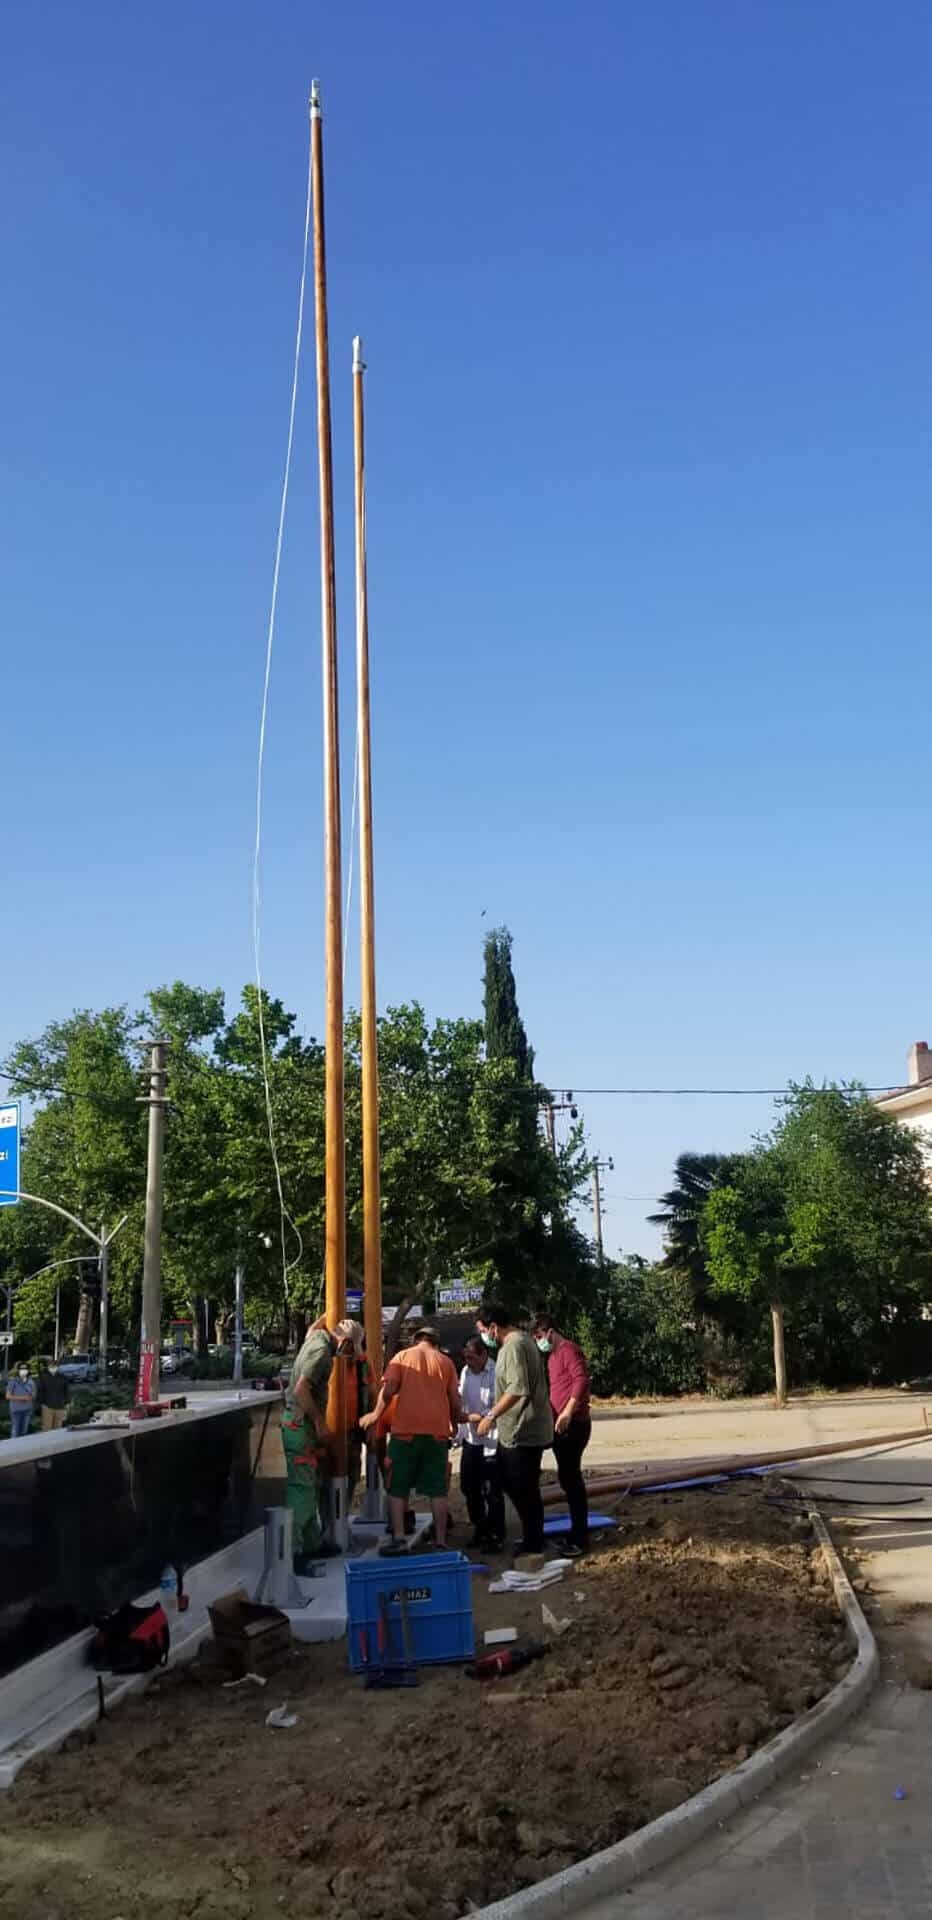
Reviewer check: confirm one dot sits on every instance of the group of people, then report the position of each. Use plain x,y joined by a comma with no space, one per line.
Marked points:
537,1386
47,1396
520,1392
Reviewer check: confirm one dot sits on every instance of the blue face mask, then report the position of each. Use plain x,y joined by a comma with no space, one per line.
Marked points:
544,1346
489,1342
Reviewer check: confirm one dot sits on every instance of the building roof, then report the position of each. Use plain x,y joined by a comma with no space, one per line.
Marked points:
912,1094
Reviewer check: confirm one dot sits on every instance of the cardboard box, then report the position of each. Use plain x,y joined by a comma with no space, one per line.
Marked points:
248,1638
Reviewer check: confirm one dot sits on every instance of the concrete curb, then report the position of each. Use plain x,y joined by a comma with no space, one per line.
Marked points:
618,1867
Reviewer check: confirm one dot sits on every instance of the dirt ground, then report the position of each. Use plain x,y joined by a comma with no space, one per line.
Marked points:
698,1629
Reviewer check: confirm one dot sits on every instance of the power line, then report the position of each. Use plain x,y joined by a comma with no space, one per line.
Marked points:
853,1093
69,1093
534,1092
654,1198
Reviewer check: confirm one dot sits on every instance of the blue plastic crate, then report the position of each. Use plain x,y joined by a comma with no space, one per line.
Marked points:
438,1587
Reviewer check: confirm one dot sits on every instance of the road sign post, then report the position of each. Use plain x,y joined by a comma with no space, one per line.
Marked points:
10,1131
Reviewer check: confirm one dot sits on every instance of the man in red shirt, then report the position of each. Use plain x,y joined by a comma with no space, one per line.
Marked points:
568,1375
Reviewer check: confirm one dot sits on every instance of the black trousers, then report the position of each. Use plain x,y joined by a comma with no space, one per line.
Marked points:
520,1470
569,1448
481,1488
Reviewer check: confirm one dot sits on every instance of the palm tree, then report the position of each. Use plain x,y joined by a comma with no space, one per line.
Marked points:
696,1176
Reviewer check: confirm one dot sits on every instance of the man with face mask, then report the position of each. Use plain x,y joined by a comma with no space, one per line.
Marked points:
304,1431
522,1414
480,1473
568,1376
52,1397
21,1398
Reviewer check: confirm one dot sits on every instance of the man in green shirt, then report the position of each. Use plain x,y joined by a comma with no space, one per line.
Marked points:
304,1431
522,1413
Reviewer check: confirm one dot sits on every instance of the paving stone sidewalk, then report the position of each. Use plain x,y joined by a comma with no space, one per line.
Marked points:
832,1841
829,1843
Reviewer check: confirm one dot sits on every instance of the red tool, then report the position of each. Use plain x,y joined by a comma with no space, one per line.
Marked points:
494,1666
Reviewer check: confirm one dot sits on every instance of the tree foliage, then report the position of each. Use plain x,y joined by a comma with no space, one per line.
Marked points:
642,1337
681,1210
830,1218
505,1038
468,1185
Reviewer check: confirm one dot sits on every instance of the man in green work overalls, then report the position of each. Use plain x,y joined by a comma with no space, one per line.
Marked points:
304,1431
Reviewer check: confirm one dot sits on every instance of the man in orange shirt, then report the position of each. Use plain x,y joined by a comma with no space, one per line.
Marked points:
427,1410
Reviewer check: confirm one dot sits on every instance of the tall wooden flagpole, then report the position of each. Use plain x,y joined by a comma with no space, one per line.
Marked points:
372,1228
335,1136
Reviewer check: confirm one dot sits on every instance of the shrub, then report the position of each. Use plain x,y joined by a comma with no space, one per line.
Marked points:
645,1339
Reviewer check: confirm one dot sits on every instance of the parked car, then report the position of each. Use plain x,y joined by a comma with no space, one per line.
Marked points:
79,1367
176,1360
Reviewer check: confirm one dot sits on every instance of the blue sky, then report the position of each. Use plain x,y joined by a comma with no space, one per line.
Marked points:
647,298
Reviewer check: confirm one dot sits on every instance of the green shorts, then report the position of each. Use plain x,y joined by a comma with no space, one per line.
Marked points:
420,1463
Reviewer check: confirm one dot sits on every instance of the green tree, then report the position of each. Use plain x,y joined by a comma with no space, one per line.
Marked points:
828,1225
641,1337
467,1187
749,1248
468,1184
505,1038
84,1148
680,1214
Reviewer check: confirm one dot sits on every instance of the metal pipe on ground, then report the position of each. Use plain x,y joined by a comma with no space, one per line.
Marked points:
643,1479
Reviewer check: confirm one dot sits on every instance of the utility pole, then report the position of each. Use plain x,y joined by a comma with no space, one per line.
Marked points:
334,1085
147,1383
238,1313
597,1166
104,1262
551,1108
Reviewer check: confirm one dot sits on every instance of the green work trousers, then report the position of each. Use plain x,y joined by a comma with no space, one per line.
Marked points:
303,1460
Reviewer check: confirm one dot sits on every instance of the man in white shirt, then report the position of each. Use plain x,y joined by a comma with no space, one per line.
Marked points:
480,1476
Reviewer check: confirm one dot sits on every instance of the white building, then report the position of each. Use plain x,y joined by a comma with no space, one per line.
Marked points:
913,1103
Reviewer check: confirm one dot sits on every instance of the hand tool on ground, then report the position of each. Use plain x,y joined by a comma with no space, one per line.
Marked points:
495,1666
402,1674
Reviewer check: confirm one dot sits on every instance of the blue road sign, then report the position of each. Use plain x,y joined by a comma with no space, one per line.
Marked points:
9,1153
353,1299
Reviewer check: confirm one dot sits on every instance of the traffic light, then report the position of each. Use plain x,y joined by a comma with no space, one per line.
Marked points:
89,1274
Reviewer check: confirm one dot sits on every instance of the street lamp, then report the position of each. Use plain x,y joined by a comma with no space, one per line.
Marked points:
102,1243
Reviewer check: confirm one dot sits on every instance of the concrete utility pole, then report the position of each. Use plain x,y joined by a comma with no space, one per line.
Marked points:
238,1315
597,1166
147,1384
104,1263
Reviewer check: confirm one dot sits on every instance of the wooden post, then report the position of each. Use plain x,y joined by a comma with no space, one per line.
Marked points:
372,1225
779,1354
335,1132
597,1213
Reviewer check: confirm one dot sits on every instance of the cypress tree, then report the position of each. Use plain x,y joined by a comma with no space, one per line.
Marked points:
505,1038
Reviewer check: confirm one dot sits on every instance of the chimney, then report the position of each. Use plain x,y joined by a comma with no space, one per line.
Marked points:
920,1064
